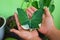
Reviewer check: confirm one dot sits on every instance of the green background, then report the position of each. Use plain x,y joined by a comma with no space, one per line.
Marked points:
8,7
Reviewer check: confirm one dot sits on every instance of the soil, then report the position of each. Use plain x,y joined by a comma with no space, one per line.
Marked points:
11,23
1,21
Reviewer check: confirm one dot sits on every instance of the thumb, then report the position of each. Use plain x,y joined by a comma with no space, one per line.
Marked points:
17,21
47,13
15,31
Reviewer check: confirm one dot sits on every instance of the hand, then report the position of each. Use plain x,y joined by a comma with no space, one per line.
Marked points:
47,22
48,27
27,35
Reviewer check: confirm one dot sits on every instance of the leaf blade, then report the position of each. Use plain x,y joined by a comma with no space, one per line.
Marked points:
35,4
36,19
51,8
22,16
47,2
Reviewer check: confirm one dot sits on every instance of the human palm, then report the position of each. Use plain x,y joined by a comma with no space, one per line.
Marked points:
47,24
23,33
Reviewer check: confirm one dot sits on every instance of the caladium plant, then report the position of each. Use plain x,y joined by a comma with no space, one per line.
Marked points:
36,19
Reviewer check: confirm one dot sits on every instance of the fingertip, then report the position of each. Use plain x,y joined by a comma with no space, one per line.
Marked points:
33,8
12,30
15,13
45,9
47,13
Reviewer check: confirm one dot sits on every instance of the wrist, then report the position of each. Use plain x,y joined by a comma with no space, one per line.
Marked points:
52,33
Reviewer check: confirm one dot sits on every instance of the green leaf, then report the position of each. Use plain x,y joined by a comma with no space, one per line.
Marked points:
41,3
51,8
22,16
35,4
47,2
37,16
36,19
52,2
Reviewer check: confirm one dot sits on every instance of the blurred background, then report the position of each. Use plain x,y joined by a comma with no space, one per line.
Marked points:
8,7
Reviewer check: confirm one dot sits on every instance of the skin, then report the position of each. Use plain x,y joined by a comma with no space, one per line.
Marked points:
47,27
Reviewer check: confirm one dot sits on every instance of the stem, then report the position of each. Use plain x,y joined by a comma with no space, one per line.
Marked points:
38,4
28,5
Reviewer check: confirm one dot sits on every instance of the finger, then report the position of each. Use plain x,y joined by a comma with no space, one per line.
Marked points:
28,13
15,31
17,21
43,18
19,33
33,9
41,26
47,13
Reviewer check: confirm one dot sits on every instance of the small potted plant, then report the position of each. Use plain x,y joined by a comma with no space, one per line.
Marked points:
36,19
2,26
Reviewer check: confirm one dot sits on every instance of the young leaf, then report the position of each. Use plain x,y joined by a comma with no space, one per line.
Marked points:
52,2
41,3
47,2
51,8
22,16
35,4
36,19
